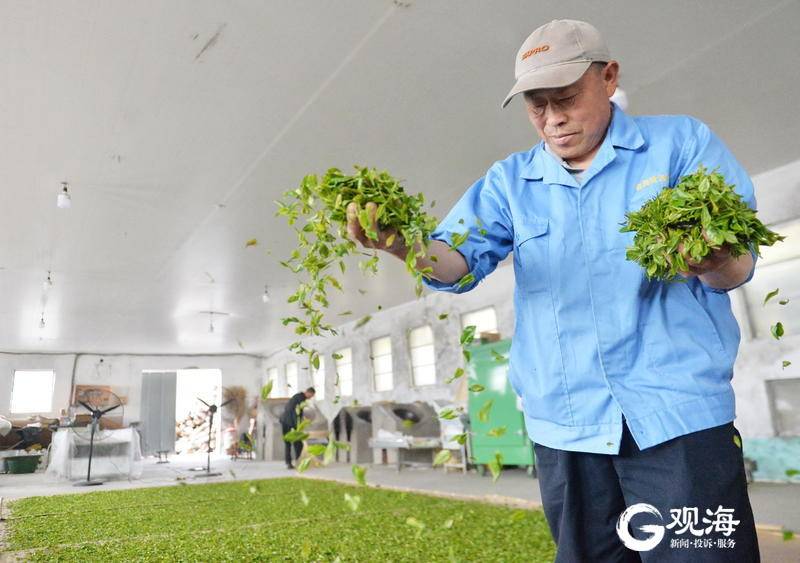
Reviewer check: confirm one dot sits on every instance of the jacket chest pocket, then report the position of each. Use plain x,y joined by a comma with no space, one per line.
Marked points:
531,254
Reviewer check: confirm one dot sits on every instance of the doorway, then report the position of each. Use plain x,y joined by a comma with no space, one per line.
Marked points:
191,416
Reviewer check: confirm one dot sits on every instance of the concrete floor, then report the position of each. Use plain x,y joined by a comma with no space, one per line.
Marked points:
775,505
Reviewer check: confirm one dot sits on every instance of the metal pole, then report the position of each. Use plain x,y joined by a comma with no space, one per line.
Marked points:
210,426
91,450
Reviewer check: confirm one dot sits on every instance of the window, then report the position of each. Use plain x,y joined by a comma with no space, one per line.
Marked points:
778,268
32,391
423,360
382,363
291,378
344,371
784,398
484,320
272,375
318,379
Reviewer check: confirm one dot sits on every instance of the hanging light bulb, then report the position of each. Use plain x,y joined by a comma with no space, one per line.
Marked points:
265,297
64,201
48,283
211,323
41,322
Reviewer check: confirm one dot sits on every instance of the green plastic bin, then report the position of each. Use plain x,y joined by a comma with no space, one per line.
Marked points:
489,367
22,463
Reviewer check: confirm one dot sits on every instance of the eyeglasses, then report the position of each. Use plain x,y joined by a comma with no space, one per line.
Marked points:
539,105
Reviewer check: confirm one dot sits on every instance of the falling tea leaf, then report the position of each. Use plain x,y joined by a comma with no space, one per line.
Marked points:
266,390
483,413
777,330
496,466
442,457
360,473
770,295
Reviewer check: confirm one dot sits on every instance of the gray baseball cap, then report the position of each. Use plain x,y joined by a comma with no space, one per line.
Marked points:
557,54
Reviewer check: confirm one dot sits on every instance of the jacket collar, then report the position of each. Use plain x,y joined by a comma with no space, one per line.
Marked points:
622,133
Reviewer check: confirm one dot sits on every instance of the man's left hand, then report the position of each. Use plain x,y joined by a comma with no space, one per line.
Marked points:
719,269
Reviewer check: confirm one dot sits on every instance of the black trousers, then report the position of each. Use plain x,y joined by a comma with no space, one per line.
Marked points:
584,495
298,446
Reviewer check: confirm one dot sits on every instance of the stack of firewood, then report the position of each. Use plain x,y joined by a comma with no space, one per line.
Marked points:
191,434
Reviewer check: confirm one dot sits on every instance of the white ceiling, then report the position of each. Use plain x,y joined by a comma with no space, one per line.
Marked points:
178,123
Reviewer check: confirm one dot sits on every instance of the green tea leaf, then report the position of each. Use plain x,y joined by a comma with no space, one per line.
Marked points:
777,330
330,451
792,472
500,358
360,473
442,457
352,501
477,388
468,334
483,413
783,301
466,280
414,523
448,414
303,465
770,295
497,432
443,316
408,423
461,438
316,449
266,390
364,320
787,535
456,374
496,466
251,242
785,364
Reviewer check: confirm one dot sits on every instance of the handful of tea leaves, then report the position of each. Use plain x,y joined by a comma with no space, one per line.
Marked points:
321,204
698,215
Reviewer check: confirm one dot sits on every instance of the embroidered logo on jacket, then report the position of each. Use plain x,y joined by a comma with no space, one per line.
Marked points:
651,180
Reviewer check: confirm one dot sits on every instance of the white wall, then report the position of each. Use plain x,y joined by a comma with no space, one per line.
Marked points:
495,291
123,372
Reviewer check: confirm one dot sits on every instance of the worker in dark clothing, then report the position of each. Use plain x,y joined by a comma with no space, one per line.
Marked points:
289,418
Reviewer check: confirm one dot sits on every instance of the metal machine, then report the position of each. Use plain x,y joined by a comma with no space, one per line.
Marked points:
269,443
353,425
404,433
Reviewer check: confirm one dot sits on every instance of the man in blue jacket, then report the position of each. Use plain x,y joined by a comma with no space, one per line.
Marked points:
625,382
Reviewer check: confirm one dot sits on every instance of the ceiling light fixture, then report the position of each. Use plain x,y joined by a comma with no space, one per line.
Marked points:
41,322
265,297
48,283
64,200
211,314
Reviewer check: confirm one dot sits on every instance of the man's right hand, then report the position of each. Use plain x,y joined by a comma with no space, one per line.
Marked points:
388,240
448,266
